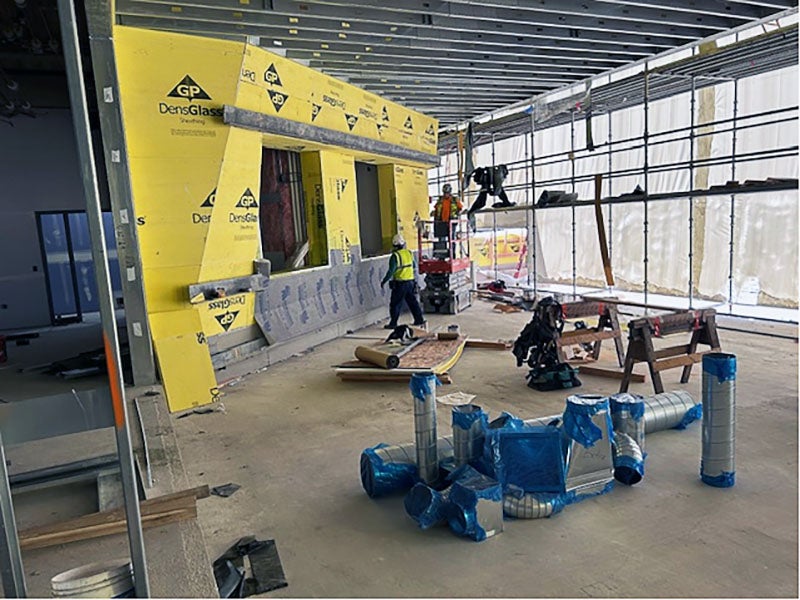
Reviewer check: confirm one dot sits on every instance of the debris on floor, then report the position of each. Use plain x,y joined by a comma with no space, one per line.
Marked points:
455,399
265,569
226,491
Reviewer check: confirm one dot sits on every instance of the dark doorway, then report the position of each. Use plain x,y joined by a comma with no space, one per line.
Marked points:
369,209
282,211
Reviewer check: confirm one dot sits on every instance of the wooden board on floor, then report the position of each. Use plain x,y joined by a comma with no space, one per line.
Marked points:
608,372
158,511
488,344
385,376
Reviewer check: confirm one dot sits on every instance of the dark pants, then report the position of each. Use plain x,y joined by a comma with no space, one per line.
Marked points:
404,290
480,202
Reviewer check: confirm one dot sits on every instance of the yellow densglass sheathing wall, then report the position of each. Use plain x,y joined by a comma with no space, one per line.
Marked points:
196,181
408,188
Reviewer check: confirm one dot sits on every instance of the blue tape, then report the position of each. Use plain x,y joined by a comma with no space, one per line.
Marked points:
426,506
465,420
627,470
423,384
634,405
723,366
578,425
692,415
724,480
380,478
531,459
470,487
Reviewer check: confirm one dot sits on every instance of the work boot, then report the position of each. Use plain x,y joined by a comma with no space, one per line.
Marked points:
390,326
420,324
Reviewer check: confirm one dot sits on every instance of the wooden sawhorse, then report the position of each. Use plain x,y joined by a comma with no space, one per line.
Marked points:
607,328
700,323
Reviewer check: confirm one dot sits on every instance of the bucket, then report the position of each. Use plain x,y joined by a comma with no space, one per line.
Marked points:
107,579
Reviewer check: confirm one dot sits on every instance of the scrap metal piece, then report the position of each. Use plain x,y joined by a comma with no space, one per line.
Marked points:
225,491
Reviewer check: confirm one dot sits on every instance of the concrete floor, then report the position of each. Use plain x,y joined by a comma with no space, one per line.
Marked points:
291,436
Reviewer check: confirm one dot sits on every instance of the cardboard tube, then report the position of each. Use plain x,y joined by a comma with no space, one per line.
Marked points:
377,358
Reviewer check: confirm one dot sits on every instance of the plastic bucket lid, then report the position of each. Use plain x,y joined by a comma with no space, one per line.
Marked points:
107,579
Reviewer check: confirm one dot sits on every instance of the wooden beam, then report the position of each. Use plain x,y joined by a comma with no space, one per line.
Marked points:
571,338
488,344
611,373
171,508
678,361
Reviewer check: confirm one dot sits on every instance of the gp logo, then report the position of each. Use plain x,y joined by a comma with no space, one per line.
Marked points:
227,319
247,200
278,99
315,110
189,89
210,199
351,121
271,76
408,124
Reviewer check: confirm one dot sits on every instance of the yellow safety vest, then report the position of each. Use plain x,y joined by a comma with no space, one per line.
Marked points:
405,265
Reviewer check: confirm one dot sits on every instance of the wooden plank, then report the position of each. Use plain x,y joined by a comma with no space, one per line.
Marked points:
487,344
678,361
672,351
611,373
601,230
507,308
171,508
570,338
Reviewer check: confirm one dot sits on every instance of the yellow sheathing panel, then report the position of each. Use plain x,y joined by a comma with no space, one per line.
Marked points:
341,208
233,234
227,314
311,167
411,192
183,359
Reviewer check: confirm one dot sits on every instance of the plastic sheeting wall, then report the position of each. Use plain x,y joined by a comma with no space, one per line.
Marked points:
765,239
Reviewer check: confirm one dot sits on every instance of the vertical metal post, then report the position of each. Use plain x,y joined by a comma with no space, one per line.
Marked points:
692,105
532,239
11,571
528,248
83,136
494,218
99,15
646,171
610,191
733,196
572,179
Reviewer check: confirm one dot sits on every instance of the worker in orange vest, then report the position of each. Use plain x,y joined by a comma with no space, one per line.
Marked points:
448,206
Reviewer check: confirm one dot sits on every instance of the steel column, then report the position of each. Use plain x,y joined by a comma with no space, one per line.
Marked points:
572,204
646,170
11,570
610,191
532,241
733,196
692,105
83,136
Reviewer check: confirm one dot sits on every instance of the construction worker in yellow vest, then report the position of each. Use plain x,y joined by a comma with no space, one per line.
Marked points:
401,277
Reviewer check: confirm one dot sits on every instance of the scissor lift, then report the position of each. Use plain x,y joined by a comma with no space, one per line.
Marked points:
444,261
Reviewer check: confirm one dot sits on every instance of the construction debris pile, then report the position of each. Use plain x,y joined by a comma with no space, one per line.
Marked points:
521,469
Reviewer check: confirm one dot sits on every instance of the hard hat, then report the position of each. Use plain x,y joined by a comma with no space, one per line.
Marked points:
447,188
398,240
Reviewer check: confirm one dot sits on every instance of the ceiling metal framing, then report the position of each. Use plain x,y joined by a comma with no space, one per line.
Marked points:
455,58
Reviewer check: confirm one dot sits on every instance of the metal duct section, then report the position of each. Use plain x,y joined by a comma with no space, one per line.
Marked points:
718,466
670,410
389,469
469,422
531,507
423,388
587,425
628,459
627,416
426,506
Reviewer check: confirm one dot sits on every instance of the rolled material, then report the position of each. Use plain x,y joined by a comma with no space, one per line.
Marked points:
530,506
426,506
378,358
670,410
628,459
423,388
469,422
718,467
627,416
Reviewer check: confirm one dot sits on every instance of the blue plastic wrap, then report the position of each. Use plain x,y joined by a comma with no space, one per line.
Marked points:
692,415
634,405
465,420
530,458
380,478
426,506
423,384
470,487
578,425
722,480
723,366
505,422
628,470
